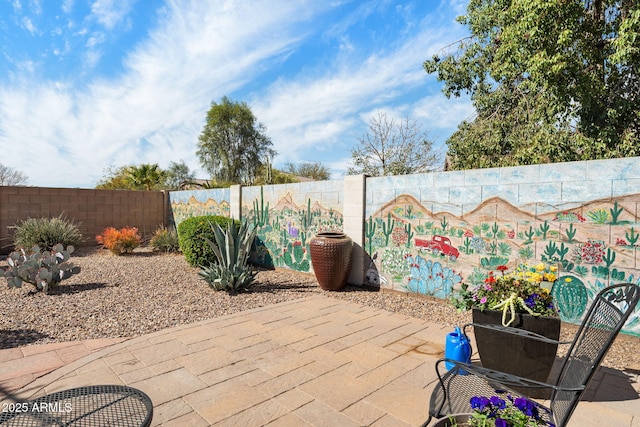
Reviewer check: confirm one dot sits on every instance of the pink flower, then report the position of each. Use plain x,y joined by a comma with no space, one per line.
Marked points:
483,300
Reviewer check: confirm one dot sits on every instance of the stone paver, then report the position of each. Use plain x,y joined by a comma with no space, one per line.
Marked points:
21,366
311,362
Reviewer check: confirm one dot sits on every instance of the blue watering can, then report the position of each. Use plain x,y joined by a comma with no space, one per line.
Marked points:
457,348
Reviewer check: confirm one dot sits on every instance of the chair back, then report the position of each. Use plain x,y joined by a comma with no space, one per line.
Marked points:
602,323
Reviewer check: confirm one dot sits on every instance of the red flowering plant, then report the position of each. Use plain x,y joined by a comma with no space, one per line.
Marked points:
519,291
120,241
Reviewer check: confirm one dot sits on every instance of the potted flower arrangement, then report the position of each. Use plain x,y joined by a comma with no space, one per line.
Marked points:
516,299
501,410
520,291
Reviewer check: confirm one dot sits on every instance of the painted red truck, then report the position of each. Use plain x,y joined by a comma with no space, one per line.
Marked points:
439,245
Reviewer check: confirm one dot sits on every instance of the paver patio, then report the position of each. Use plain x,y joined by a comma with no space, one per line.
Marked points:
313,361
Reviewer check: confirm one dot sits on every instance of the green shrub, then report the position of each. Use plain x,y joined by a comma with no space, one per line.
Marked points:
165,239
232,272
46,233
191,236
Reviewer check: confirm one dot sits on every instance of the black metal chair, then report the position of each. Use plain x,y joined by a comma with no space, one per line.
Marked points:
97,405
607,315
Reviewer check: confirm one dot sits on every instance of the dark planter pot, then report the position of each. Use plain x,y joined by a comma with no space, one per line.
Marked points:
518,355
455,420
331,259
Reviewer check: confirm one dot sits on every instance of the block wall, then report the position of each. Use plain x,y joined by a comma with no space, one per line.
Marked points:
94,210
429,233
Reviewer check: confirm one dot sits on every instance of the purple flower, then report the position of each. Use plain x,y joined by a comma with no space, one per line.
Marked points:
531,300
497,402
526,406
479,403
483,300
501,410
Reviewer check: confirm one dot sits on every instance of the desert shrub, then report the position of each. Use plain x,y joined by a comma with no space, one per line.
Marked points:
165,239
191,237
120,241
46,233
232,272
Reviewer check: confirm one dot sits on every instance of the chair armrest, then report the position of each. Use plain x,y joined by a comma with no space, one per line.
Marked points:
491,375
514,331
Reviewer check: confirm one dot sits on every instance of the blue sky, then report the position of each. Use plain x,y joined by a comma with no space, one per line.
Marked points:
88,84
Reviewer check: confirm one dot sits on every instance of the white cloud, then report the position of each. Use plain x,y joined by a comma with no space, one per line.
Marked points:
110,13
28,25
155,110
66,134
308,112
443,113
67,6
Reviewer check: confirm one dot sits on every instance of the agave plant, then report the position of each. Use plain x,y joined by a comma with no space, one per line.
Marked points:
232,272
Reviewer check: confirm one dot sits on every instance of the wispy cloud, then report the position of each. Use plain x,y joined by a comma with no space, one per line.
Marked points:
28,25
67,6
65,133
308,112
111,12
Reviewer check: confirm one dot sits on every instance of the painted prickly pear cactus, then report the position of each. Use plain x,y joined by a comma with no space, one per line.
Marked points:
571,298
295,257
431,278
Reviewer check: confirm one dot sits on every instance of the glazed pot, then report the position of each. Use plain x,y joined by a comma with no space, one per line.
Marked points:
331,259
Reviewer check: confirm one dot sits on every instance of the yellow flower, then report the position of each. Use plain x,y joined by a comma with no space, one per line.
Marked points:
541,266
553,268
536,277
550,277
567,279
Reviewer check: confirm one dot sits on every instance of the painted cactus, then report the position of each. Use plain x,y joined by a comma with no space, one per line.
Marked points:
570,297
431,278
295,257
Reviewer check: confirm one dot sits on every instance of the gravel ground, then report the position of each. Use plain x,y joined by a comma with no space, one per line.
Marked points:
136,294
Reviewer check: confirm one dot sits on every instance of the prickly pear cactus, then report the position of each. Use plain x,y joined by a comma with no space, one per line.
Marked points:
570,297
43,269
431,278
295,257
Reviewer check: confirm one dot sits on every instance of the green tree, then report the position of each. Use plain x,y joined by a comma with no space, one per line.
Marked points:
550,81
233,145
115,179
393,147
268,175
314,170
145,177
177,174
10,176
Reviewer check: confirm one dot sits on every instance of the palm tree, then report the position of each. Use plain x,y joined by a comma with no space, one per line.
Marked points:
145,176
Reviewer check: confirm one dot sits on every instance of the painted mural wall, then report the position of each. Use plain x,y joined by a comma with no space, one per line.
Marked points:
287,216
189,203
428,233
